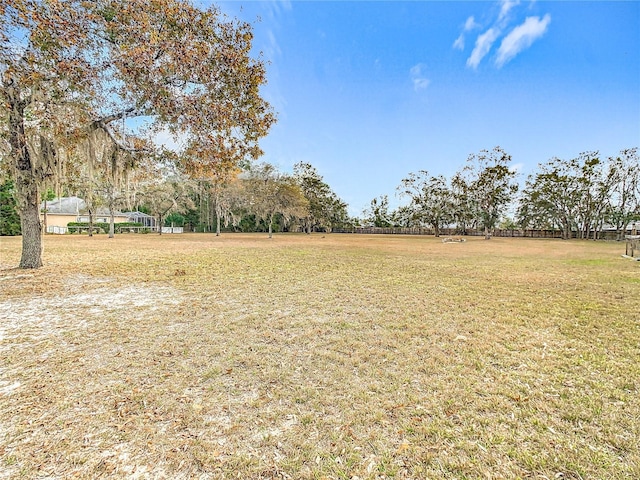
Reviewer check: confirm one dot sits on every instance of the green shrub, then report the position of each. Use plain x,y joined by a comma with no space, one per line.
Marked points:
74,227
9,218
117,227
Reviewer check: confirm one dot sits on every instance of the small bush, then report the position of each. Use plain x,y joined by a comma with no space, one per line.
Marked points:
75,227
9,219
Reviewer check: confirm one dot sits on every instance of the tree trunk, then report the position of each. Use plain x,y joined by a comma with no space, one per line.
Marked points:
487,235
160,224
597,229
29,201
91,223
202,218
208,205
218,214
27,184
111,222
270,230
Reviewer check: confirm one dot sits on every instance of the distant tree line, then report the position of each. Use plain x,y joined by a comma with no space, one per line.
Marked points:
260,198
583,194
579,196
255,198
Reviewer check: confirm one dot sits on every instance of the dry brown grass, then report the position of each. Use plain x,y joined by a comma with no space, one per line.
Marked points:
313,357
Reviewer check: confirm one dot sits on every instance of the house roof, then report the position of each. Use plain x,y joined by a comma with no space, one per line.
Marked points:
72,206
67,205
138,214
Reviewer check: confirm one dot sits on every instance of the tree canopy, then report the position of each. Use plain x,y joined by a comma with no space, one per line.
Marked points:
325,208
582,193
478,194
271,193
69,68
491,183
431,200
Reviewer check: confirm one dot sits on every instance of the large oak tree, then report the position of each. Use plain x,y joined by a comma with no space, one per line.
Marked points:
491,185
70,67
431,199
624,199
581,194
325,207
271,193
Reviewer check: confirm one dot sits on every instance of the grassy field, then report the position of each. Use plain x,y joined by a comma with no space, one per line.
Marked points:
319,357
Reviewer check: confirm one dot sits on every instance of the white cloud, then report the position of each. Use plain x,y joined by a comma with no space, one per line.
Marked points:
505,7
470,24
275,8
517,40
459,43
521,37
420,81
483,45
273,48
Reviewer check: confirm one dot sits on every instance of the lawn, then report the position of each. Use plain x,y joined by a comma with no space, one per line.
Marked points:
319,357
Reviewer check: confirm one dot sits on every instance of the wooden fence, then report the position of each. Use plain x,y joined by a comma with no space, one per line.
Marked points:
447,232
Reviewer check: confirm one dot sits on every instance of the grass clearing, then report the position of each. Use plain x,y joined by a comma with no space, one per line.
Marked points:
319,357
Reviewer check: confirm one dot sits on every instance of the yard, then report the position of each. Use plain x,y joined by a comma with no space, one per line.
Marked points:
319,357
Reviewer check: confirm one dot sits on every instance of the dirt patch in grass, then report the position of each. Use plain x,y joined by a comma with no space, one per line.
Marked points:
336,356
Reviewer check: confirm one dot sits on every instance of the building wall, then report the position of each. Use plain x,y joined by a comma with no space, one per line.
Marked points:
58,219
62,219
102,218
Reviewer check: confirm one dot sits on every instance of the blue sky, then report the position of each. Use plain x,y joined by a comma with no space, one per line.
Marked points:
368,91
